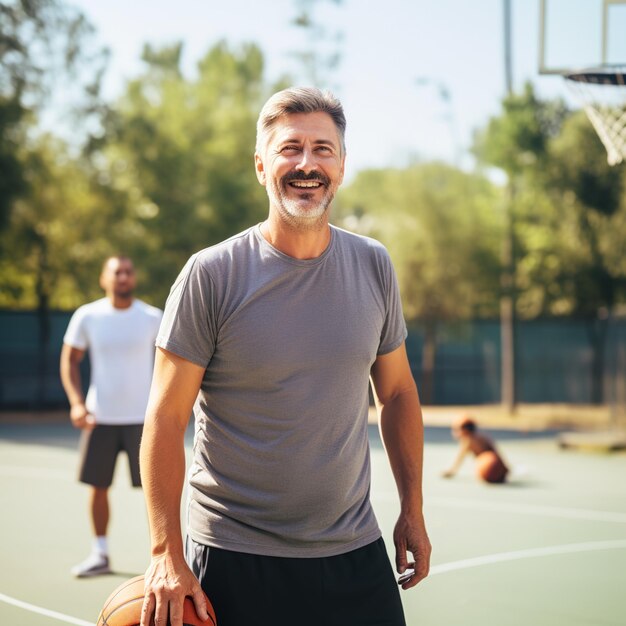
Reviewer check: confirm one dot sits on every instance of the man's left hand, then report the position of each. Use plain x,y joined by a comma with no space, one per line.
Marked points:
410,535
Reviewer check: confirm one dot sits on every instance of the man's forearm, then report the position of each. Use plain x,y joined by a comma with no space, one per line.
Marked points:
175,385
402,432
72,383
162,473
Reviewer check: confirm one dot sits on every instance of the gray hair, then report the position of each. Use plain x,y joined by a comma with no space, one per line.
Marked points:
300,100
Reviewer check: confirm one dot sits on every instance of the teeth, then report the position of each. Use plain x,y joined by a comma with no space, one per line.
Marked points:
306,183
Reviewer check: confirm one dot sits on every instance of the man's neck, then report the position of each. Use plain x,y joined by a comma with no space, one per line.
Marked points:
120,302
297,243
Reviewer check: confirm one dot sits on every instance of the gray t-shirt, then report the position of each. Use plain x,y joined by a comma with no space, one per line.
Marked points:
281,456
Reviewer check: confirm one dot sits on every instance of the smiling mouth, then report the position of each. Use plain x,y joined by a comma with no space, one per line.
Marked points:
305,184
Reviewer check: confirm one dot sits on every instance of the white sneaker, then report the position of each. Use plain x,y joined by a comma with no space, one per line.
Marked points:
94,565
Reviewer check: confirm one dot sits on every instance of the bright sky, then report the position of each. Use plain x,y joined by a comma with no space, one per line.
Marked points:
388,45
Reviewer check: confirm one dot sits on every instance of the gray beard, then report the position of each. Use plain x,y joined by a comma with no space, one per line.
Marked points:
312,219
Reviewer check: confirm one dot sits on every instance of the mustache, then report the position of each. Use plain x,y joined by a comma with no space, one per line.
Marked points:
314,175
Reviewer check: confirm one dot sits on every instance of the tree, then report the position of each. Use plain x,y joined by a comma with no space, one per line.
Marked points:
45,46
590,203
181,152
173,174
36,271
569,213
442,230
12,183
57,235
516,142
571,229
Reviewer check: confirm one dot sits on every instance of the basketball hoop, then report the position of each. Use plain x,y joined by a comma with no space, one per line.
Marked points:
602,92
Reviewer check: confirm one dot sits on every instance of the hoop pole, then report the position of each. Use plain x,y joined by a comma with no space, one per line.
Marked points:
605,21
508,392
508,66
542,36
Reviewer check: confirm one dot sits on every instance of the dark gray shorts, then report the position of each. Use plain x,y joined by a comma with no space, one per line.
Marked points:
99,448
357,588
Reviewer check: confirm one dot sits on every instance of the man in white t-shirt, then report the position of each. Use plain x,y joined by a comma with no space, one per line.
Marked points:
119,332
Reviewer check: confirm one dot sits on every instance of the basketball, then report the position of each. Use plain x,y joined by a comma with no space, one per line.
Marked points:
490,468
123,607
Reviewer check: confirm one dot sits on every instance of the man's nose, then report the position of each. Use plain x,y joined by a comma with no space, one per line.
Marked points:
306,162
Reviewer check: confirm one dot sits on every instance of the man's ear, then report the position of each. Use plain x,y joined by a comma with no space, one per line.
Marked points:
259,168
343,169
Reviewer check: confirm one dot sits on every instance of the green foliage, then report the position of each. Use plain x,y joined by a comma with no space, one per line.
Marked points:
181,152
173,174
49,252
590,202
578,164
442,228
45,48
518,138
569,208
12,182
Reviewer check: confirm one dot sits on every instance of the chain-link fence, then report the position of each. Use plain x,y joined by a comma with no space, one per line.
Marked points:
615,379
557,361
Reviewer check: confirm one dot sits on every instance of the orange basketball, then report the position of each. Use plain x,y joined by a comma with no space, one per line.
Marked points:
490,468
123,607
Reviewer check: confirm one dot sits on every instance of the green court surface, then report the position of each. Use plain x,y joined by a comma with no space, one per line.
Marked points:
548,549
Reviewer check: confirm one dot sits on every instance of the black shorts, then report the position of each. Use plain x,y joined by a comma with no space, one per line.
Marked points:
357,588
99,447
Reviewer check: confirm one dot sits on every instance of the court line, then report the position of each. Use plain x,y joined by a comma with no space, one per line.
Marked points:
510,507
501,557
68,619
488,559
533,509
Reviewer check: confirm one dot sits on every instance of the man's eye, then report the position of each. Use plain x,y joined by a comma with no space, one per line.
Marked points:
290,149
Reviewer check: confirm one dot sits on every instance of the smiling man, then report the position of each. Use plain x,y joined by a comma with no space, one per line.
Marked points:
272,338
302,167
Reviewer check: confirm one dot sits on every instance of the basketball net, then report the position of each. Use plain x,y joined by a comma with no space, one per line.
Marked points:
602,93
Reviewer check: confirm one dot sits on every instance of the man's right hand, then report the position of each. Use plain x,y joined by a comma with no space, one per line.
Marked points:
81,417
167,582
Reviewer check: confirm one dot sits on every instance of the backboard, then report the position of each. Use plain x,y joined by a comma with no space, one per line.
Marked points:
581,34
585,42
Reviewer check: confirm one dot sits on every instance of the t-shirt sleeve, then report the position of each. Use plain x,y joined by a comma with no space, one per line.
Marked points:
76,333
188,325
394,330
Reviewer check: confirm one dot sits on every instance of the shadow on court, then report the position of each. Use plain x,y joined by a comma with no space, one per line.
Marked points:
548,548
53,435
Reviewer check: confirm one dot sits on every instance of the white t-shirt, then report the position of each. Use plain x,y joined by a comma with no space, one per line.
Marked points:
121,352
